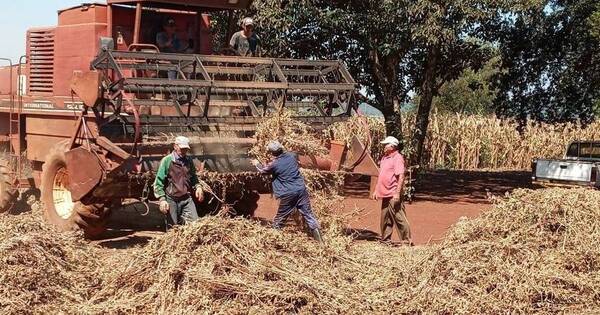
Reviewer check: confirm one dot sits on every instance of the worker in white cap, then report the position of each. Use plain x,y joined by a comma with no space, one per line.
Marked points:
245,42
177,183
390,190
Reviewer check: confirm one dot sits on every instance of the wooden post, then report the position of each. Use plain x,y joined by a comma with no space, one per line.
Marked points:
109,21
138,23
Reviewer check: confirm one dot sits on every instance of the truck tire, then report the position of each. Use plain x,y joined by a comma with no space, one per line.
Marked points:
59,209
8,194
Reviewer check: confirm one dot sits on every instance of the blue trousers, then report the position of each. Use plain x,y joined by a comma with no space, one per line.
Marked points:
290,202
181,212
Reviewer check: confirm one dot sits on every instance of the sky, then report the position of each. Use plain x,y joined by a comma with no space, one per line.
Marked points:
17,16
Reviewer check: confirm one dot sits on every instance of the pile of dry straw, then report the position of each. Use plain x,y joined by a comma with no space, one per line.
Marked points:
43,271
535,251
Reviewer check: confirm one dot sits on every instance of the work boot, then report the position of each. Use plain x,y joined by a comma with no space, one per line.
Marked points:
316,234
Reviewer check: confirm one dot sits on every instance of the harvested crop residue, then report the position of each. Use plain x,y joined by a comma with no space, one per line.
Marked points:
42,270
534,251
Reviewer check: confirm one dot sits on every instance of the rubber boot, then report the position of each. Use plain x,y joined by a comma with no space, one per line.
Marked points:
316,234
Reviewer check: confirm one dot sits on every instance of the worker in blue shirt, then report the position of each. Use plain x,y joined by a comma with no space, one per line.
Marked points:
289,188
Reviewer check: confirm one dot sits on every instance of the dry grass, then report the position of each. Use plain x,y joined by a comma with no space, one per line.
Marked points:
533,252
536,251
43,271
292,134
370,131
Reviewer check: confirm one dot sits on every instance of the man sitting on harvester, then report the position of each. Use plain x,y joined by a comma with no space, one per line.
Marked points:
175,182
168,41
289,187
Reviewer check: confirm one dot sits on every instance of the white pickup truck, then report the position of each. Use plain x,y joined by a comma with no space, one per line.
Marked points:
579,167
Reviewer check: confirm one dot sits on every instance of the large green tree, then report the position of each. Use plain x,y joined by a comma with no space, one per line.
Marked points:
372,37
552,57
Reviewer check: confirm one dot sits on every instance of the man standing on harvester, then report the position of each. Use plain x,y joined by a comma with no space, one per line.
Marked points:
289,187
175,182
245,42
389,189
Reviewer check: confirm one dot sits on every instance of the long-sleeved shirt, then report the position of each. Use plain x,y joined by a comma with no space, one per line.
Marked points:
285,171
176,177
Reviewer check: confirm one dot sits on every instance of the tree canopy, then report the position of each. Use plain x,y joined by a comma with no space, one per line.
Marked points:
529,59
552,59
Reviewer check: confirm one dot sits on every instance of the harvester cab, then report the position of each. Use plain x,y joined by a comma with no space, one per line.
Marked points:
132,99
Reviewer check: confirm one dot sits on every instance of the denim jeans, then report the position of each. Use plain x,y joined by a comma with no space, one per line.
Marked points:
181,211
290,202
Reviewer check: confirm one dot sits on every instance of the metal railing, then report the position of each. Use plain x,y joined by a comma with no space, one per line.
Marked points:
257,86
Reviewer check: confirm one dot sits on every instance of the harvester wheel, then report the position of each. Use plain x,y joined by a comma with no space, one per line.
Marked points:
8,194
59,209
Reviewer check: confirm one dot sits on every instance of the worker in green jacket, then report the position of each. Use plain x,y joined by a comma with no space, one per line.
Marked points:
176,181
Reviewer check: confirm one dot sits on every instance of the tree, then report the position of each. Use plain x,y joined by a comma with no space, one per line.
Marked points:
472,92
594,23
451,35
552,59
372,37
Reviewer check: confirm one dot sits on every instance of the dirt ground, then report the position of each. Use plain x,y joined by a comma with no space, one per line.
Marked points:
442,198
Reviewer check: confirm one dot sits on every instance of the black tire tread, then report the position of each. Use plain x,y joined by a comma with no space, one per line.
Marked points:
90,217
8,193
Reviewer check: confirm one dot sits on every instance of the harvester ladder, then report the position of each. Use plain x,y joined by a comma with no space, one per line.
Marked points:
11,110
16,109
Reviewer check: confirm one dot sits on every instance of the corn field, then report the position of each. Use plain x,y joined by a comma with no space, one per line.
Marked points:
477,143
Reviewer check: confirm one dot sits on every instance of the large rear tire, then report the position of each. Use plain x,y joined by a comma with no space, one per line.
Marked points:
8,193
59,208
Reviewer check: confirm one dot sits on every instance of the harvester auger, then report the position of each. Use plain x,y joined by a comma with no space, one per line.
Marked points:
104,142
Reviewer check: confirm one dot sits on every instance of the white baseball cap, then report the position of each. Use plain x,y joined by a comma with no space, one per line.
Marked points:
247,21
182,142
274,146
391,140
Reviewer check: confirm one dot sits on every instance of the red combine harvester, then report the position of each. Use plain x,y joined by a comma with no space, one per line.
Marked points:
92,110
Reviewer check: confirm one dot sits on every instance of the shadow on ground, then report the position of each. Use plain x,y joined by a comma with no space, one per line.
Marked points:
132,225
468,186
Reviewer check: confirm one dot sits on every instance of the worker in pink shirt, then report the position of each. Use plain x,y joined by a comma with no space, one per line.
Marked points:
389,190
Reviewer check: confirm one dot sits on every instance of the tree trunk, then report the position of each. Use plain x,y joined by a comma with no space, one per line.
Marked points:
385,74
428,90
393,121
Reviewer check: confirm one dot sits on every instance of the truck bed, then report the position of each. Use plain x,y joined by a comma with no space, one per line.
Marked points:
565,171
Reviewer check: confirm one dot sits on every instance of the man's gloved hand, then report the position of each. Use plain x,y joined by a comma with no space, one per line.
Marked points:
164,207
199,194
255,162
